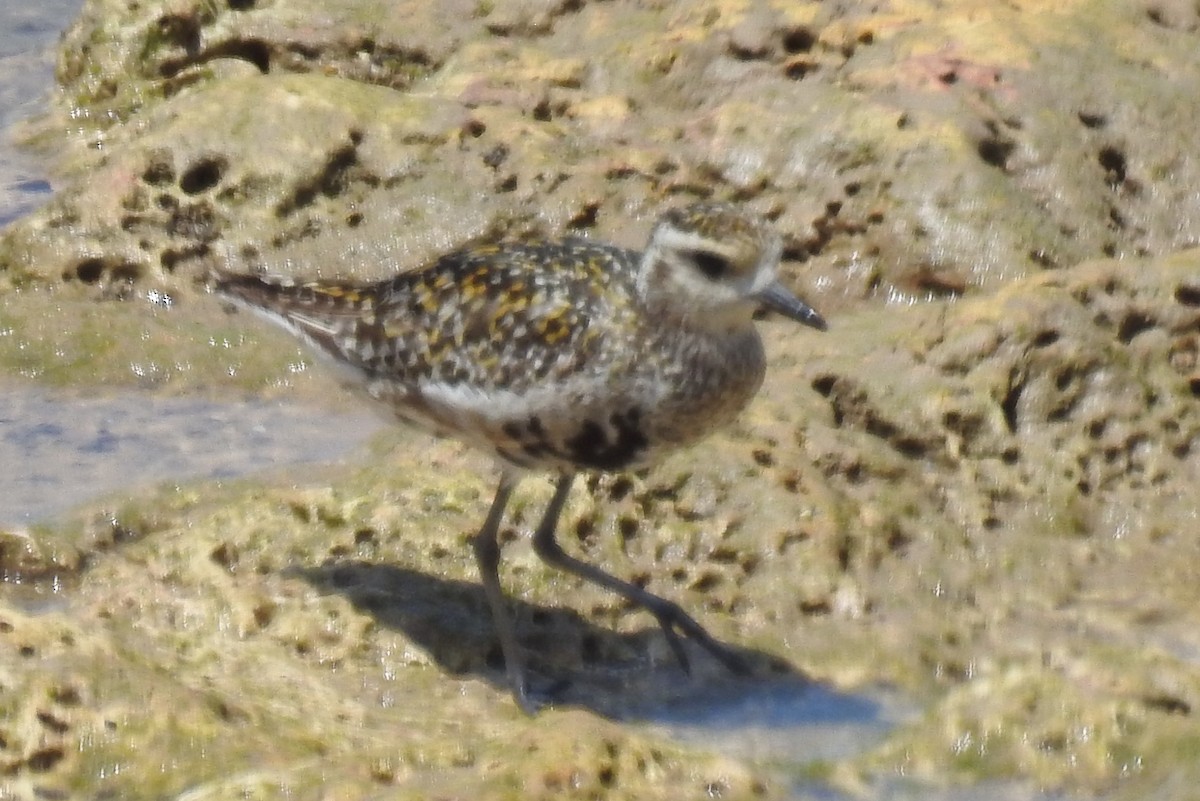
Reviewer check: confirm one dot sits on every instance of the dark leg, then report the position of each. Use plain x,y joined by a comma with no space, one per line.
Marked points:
670,616
487,556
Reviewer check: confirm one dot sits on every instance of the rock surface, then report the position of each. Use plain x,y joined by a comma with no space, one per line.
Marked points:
978,488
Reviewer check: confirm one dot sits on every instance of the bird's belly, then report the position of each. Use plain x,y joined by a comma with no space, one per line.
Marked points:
619,420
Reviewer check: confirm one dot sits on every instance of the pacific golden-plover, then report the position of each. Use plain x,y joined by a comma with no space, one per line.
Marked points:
559,357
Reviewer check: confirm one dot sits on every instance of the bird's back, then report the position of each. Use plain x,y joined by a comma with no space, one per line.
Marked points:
494,317
499,345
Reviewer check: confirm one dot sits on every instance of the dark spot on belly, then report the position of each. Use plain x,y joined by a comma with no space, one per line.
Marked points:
590,439
530,436
593,446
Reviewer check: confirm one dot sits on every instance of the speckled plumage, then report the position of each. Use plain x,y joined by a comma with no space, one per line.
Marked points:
558,356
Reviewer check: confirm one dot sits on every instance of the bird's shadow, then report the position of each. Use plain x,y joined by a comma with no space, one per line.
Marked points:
621,676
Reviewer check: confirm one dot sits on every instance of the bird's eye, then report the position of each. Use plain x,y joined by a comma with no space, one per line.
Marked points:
712,265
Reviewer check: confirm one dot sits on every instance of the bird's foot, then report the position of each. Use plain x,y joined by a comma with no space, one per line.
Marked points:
674,621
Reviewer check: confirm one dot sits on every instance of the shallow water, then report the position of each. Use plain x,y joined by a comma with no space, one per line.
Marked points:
791,720
793,723
28,33
71,450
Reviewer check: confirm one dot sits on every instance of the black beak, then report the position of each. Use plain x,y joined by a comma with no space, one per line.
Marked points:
779,298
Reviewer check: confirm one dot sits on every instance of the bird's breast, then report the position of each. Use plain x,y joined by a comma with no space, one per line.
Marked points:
706,382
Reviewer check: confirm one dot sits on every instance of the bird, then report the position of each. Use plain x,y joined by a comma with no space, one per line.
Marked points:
559,357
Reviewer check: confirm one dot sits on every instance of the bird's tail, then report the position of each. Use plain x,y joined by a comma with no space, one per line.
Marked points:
323,313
